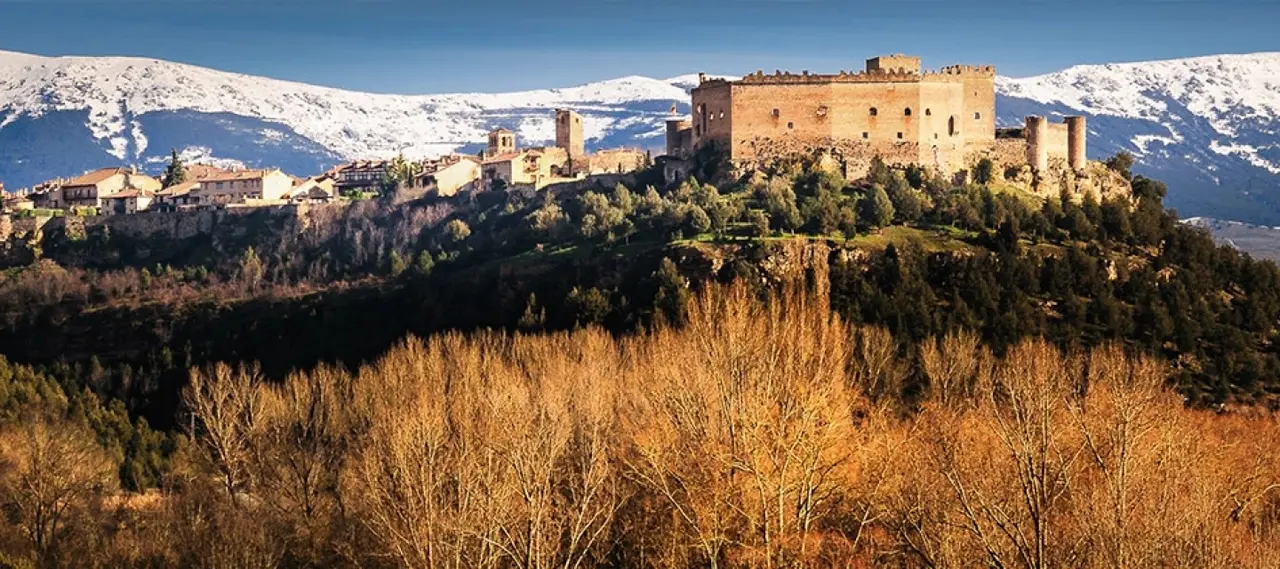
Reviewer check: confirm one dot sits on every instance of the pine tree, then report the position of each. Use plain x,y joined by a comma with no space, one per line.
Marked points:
176,172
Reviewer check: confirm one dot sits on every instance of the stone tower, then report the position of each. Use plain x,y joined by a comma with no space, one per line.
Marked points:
679,136
501,141
1077,133
569,134
897,63
1037,132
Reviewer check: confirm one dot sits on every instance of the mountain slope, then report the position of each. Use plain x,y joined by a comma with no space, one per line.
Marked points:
1207,125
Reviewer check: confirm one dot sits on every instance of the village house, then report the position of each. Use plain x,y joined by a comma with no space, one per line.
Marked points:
128,202
16,203
450,174
316,189
363,176
178,194
243,187
90,189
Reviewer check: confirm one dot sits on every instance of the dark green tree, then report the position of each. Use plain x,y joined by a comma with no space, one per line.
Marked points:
984,172
176,172
877,209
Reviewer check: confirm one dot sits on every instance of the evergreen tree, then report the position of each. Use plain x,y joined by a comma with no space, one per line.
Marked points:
176,172
1122,163
984,172
877,208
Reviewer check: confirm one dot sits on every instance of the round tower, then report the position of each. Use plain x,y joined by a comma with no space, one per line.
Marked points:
1077,133
1037,148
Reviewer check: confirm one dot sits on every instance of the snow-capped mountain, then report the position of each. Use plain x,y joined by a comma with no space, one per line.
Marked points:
1208,126
61,116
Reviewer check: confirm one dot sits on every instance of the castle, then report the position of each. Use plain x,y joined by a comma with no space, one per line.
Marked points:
943,119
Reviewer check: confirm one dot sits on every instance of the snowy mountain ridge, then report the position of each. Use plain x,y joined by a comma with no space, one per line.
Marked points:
1208,126
352,124
1225,90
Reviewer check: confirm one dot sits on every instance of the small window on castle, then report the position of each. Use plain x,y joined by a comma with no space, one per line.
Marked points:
907,112
928,112
935,135
776,113
899,136
866,135
721,114
874,112
977,116
791,125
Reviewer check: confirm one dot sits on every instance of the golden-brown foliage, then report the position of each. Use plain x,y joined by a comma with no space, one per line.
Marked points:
759,434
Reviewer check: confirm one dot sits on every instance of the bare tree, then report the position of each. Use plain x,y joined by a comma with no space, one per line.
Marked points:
1008,498
48,472
226,407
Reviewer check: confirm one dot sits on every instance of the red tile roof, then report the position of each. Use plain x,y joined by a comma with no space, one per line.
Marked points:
95,177
179,189
240,175
129,194
504,157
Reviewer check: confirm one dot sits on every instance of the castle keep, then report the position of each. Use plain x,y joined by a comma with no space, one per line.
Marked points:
893,109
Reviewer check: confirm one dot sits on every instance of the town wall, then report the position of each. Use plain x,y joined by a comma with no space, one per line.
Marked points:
616,160
1055,140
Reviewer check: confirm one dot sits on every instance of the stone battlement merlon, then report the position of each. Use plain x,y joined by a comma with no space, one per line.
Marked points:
945,74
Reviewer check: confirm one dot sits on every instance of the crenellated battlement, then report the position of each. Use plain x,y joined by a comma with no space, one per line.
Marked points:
894,106
949,74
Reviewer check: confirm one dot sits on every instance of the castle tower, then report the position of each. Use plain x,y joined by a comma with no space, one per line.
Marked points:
1077,134
501,141
679,136
569,133
897,63
1037,130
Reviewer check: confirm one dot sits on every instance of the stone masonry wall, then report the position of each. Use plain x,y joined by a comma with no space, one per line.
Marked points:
941,115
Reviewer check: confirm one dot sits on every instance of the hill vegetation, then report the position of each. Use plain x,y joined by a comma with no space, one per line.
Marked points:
898,346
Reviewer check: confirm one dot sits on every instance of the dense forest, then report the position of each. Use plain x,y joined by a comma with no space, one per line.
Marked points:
785,369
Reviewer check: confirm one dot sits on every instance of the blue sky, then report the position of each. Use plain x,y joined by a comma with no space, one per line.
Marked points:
430,46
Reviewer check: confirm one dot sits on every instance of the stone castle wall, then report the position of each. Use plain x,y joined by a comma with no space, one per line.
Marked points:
615,161
940,115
